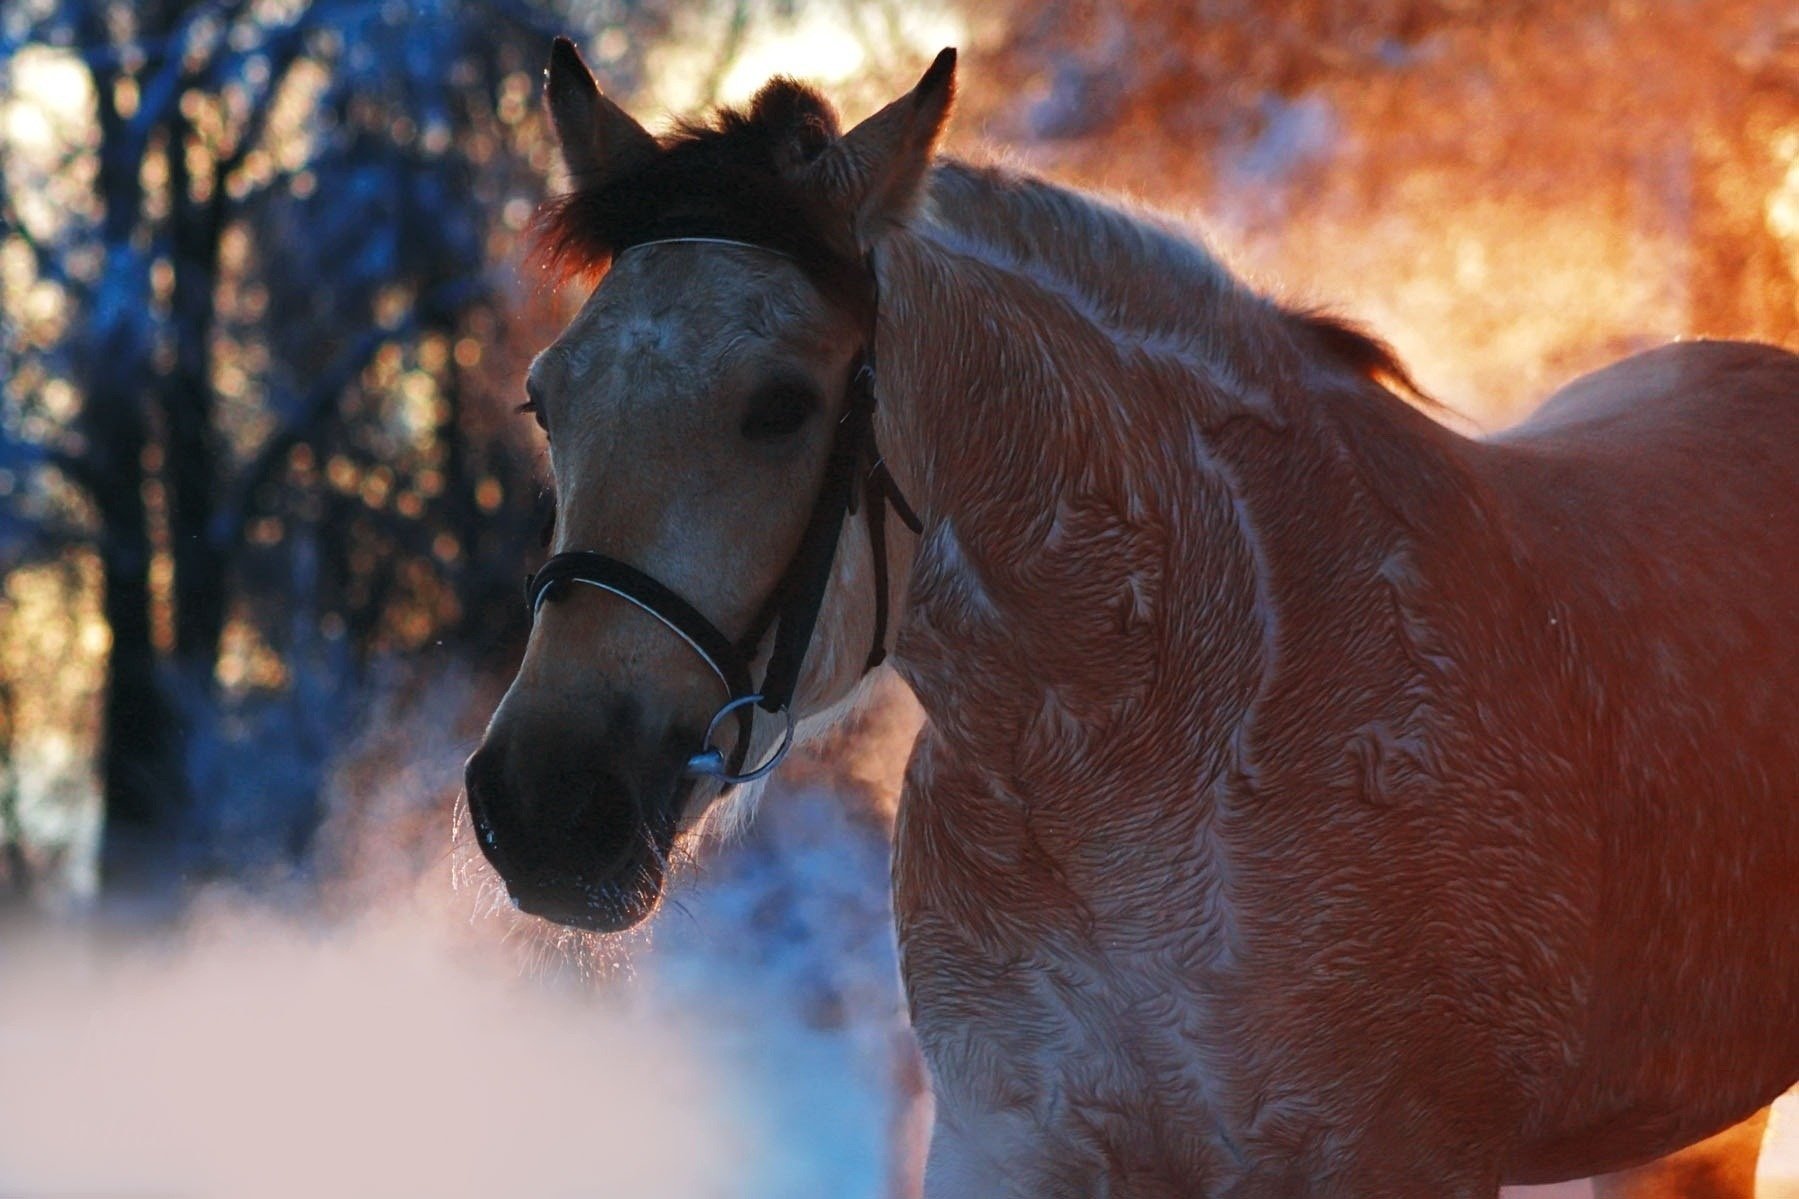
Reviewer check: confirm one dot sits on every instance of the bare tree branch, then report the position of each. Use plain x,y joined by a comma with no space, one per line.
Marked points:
728,49
321,401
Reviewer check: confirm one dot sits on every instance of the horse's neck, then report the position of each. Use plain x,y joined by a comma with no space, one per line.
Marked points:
1132,483
1144,283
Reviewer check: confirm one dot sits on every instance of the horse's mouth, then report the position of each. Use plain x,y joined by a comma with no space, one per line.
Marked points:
600,908
624,895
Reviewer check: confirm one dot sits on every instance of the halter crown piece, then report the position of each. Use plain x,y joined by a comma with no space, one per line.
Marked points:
854,472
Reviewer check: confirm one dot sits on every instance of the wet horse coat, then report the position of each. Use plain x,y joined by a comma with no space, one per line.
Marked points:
1313,801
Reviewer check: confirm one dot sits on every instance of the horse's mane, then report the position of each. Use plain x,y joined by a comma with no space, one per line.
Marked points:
726,177
730,176
1142,276
1362,352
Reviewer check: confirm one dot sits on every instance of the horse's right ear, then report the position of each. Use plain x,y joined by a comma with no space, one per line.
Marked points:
597,138
876,171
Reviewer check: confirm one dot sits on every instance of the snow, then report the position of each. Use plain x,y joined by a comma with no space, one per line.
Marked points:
749,1048
745,1052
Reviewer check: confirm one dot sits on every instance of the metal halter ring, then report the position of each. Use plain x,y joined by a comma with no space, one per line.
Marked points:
711,760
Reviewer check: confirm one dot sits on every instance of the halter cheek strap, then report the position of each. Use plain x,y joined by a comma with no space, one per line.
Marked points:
855,476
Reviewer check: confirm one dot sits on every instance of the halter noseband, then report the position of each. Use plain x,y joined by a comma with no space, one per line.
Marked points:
792,607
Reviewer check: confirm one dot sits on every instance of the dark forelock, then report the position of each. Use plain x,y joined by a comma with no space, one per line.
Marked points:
728,177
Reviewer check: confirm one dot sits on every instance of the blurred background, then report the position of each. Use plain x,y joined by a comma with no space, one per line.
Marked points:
265,303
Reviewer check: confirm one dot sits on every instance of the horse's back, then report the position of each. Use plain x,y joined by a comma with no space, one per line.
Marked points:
1671,475
1701,381
1651,506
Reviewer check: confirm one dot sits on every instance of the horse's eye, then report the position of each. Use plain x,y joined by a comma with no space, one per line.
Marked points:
778,411
533,405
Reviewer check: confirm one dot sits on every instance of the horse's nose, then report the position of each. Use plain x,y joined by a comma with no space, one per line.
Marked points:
557,813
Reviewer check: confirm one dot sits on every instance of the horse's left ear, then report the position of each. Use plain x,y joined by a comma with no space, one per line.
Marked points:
876,171
598,139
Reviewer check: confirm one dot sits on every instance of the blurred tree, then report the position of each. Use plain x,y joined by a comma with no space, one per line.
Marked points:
15,869
267,258
1746,277
1517,191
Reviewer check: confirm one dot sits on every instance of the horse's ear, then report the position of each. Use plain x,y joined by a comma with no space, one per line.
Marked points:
876,171
596,136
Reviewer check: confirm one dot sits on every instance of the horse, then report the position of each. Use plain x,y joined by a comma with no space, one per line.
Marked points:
1312,800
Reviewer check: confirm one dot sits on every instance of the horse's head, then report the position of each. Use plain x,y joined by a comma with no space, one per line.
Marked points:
696,409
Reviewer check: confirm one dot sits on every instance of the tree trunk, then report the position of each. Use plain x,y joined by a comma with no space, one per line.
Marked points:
191,464
145,787
15,867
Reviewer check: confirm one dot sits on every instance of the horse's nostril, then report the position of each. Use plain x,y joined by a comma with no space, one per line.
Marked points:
483,783
575,822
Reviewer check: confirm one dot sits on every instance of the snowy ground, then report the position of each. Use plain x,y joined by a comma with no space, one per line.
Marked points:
746,1049
743,1050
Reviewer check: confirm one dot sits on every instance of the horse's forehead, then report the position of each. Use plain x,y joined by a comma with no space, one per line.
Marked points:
635,329
677,323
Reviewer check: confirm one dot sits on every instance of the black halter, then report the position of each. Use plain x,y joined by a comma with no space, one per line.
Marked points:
854,473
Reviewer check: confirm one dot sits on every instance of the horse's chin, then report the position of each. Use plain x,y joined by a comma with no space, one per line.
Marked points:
628,896
612,910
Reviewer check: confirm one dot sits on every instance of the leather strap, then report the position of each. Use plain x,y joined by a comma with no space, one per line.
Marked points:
646,592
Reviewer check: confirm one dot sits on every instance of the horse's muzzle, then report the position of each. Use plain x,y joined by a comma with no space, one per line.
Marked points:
578,827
